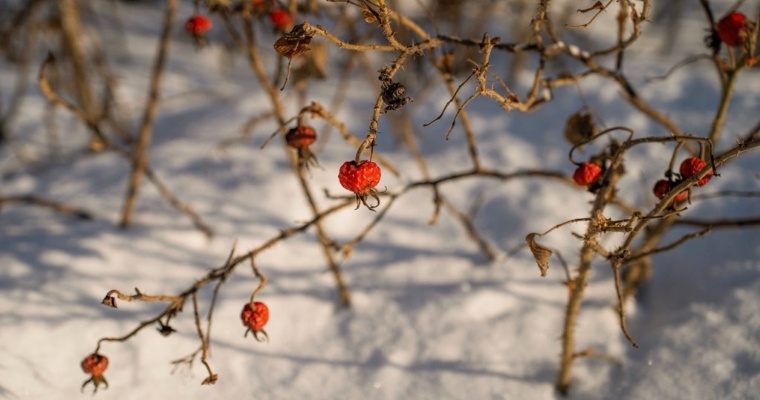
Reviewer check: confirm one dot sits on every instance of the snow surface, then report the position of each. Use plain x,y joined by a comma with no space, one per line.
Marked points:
432,318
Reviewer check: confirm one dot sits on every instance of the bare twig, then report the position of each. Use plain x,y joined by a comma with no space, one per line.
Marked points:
140,151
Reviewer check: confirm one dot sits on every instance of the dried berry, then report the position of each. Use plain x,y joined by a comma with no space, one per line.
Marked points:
281,18
587,173
198,24
663,186
361,178
254,318
692,165
300,138
731,28
393,93
95,364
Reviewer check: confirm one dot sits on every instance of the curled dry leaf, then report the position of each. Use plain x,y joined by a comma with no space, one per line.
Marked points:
210,380
369,16
295,42
291,46
540,253
580,127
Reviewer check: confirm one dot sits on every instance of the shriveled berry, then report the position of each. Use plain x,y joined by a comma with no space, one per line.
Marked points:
690,166
282,19
663,186
587,173
95,364
301,136
359,178
731,28
198,24
255,317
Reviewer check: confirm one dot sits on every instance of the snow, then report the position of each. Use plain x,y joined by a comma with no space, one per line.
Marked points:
432,318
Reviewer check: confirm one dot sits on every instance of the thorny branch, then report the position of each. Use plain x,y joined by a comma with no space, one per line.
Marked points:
545,44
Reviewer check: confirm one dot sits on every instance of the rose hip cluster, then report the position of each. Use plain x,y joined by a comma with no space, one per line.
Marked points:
281,18
689,167
588,173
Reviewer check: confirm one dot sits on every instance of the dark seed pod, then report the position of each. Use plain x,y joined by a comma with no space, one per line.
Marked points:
393,96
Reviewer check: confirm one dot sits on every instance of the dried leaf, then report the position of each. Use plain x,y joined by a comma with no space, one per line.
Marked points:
540,253
369,16
291,46
210,380
580,127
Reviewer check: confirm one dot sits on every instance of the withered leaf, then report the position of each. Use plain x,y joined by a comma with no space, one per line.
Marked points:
580,127
291,46
540,253
369,16
210,380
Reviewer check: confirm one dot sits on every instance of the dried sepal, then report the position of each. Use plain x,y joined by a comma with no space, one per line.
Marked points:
369,16
264,338
540,253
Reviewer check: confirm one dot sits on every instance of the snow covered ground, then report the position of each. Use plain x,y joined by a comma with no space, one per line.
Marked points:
432,318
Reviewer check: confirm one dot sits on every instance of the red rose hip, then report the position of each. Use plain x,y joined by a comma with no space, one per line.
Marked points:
731,28
95,364
198,24
361,178
587,173
254,318
663,186
281,18
690,166
301,136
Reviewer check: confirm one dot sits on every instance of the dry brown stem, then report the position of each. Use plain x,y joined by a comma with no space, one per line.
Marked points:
139,154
